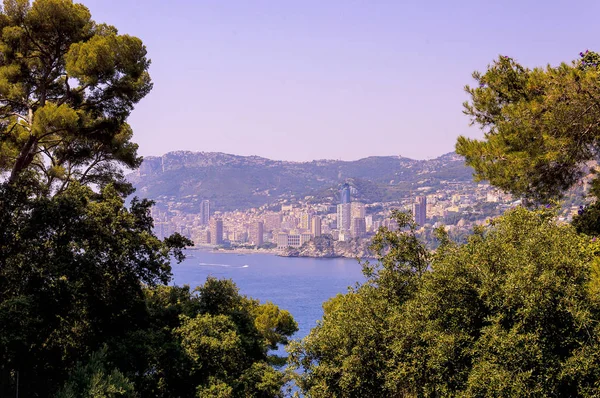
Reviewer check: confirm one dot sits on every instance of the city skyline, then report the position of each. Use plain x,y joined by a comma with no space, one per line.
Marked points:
310,80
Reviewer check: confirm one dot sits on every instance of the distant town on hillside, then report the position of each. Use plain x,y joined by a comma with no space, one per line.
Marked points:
322,208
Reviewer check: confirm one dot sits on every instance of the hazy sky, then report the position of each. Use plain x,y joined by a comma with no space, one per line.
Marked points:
336,79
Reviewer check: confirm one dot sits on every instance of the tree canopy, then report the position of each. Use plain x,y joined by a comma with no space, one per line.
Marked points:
514,312
67,86
541,125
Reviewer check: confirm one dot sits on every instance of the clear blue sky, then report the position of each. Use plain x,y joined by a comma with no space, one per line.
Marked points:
336,79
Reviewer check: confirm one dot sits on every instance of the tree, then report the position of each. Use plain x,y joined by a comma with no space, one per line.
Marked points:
67,86
72,268
208,342
541,125
514,312
346,354
93,380
84,310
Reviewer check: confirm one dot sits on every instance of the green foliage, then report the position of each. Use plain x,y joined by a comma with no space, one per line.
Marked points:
81,273
71,274
210,340
541,125
588,221
514,312
402,259
67,86
274,324
91,380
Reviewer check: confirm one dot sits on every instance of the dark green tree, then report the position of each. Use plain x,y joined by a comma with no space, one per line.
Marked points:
514,312
92,379
210,340
347,353
71,273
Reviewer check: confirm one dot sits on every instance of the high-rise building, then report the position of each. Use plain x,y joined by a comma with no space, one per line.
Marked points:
256,233
359,227
345,194
204,212
419,210
216,231
344,216
305,221
316,226
358,210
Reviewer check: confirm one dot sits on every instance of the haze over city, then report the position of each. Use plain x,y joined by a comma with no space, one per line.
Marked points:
337,80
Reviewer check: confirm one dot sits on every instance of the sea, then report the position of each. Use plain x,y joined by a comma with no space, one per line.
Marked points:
299,285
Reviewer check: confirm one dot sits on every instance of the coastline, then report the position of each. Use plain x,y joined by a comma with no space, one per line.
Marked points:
278,253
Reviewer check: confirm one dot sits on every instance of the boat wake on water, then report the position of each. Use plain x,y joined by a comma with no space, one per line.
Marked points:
223,265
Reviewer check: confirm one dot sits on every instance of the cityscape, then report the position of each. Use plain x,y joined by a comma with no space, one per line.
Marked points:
458,207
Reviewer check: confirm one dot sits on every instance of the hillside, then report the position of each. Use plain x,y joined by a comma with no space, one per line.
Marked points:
238,182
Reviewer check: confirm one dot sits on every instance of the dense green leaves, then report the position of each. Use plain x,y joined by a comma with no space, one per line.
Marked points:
67,86
541,125
93,380
203,341
79,271
512,313
71,274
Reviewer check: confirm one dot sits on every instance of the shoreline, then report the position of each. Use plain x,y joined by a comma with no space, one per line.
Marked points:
273,252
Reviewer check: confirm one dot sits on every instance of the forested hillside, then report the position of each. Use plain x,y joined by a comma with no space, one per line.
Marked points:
238,182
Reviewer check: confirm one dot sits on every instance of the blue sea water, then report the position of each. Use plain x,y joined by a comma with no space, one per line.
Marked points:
299,285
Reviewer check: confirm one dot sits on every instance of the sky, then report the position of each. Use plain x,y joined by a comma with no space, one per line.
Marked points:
330,79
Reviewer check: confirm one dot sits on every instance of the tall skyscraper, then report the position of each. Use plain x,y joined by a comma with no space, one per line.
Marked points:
316,226
344,216
357,214
420,210
216,232
204,212
305,221
256,233
345,194
359,227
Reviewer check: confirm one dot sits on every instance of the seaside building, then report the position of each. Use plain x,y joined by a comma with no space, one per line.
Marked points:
256,233
344,216
216,231
202,237
359,227
282,239
316,226
357,214
292,239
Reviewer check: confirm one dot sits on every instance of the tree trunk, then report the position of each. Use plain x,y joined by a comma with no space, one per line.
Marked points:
23,160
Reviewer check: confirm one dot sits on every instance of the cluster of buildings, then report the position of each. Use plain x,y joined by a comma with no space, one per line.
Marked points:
291,226
294,223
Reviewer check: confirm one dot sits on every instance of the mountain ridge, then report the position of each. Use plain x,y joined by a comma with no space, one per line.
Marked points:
238,182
